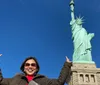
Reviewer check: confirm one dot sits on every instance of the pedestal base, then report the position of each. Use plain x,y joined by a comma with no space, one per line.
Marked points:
84,74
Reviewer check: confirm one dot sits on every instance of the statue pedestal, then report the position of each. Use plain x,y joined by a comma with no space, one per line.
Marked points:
84,74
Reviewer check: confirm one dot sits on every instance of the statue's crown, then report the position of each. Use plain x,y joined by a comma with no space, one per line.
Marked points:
79,20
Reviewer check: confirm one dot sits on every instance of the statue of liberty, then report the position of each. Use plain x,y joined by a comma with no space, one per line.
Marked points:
81,39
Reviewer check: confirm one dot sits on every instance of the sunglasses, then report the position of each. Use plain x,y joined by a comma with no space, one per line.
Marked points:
32,64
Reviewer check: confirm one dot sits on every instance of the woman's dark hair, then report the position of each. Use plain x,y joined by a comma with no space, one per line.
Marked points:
28,58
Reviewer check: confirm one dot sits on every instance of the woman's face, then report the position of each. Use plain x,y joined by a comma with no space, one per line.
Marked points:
30,67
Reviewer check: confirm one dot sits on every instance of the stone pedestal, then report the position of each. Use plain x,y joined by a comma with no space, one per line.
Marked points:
84,74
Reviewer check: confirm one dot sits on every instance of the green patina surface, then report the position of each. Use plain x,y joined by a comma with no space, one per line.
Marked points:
81,39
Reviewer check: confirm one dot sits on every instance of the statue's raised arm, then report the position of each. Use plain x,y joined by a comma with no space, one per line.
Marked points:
72,9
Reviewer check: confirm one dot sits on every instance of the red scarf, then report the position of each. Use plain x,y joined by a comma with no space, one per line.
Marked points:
29,77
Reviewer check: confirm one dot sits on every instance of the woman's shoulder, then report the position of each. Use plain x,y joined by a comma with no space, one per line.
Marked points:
40,76
19,74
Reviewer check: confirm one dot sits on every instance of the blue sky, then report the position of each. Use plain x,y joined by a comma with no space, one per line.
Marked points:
41,28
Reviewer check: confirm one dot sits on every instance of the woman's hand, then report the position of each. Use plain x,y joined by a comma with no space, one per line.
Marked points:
67,60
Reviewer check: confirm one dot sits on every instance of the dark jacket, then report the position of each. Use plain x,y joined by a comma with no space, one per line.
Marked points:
20,79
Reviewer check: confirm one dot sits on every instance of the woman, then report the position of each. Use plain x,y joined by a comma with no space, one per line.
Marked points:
30,76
